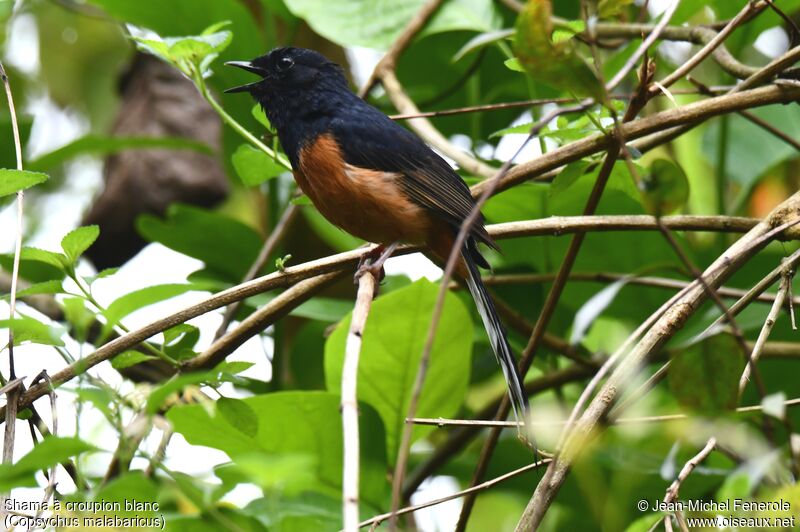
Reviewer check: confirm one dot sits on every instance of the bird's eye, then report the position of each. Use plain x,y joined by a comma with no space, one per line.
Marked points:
285,63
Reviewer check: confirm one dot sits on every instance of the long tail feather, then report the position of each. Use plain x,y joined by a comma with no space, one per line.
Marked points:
497,337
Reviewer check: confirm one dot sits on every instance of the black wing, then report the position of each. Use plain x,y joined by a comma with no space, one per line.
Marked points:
370,139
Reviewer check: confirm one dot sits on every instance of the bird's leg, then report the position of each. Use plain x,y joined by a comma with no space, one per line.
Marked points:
369,263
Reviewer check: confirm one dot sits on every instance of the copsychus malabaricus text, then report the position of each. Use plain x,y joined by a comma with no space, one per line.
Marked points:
373,178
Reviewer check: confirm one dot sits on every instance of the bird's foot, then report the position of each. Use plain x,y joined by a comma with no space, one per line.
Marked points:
372,262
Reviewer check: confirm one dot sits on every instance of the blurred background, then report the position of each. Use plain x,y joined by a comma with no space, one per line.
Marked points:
132,146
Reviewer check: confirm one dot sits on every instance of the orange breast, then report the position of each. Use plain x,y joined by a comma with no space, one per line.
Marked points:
366,203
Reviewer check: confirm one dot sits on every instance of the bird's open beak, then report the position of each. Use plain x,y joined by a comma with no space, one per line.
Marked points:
250,67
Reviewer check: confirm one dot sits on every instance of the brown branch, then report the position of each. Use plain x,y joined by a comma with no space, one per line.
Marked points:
672,490
389,61
259,320
346,262
608,277
710,46
349,402
692,114
766,329
656,336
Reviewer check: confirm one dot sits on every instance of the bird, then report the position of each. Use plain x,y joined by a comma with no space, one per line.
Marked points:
373,178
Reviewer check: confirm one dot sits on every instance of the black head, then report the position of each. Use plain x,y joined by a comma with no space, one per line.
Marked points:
286,71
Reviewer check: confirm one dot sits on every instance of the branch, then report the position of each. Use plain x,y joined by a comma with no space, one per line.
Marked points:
488,484
366,291
460,438
672,490
346,262
693,114
259,320
656,336
766,330
608,277
261,260
389,61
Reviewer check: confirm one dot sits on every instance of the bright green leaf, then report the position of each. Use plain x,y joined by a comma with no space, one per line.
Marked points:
253,166
27,329
78,241
99,145
294,423
664,187
377,23
393,342
128,359
12,181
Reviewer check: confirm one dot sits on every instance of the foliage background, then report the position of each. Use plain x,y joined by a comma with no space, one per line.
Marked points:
274,412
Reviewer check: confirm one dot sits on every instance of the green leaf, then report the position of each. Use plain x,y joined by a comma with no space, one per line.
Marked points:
481,40
52,258
610,8
224,372
78,241
377,23
12,181
99,145
664,187
192,53
50,451
226,246
393,342
45,287
555,63
253,166
293,424
705,376
514,64
128,359
593,308
80,317
260,116
239,414
180,340
27,329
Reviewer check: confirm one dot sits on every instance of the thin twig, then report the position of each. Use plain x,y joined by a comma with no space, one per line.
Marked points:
349,400
261,260
13,394
630,64
708,49
426,130
259,320
488,484
442,422
51,479
766,329
609,277
672,490
389,61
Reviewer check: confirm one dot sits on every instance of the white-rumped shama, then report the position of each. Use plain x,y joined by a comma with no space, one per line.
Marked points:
372,177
